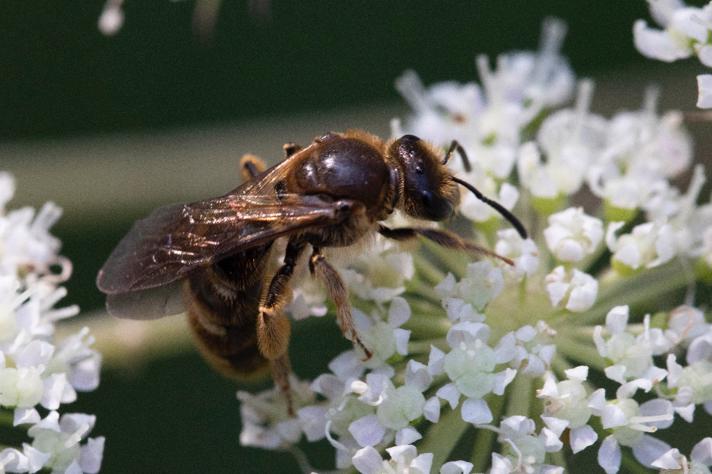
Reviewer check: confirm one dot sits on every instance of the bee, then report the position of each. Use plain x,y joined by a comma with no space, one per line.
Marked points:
211,257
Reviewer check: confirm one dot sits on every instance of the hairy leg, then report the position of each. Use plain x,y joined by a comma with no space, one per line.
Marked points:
251,166
336,290
440,237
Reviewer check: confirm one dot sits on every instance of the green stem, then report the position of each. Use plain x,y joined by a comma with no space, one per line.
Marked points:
454,261
560,365
442,437
6,418
424,290
519,395
423,347
421,306
646,287
631,465
568,347
427,327
427,270
559,459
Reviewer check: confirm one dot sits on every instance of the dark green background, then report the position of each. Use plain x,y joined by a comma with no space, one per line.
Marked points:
59,77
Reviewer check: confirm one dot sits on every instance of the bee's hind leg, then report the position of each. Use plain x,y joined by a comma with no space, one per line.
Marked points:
251,166
273,327
281,370
320,268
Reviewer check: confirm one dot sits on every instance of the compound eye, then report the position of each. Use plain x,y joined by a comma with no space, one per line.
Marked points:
426,197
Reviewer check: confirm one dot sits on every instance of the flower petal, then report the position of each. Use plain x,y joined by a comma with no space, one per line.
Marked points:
609,455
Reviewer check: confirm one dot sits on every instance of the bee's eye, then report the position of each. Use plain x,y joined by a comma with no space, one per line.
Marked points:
427,198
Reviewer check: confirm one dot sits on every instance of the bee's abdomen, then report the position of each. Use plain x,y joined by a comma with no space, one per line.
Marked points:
223,303
233,352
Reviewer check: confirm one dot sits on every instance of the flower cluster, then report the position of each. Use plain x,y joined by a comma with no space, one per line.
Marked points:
502,354
38,373
687,32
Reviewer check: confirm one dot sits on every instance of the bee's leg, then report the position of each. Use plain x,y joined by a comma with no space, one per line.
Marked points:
281,369
250,166
440,237
320,268
273,328
290,149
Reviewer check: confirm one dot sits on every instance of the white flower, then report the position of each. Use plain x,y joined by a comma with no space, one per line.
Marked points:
533,348
481,283
443,111
571,140
471,367
21,388
400,406
309,299
475,209
657,44
576,291
112,18
544,78
573,235
384,338
524,450
685,324
632,355
566,406
456,467
646,145
524,253
58,438
629,423
13,460
265,420
648,245
704,87
699,462
379,275
35,368
404,460
693,386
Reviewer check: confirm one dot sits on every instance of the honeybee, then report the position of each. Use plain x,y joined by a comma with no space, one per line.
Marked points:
211,257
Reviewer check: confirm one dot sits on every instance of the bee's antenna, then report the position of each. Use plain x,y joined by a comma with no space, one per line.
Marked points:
497,206
455,145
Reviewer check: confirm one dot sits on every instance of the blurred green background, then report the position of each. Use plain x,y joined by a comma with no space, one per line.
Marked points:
110,127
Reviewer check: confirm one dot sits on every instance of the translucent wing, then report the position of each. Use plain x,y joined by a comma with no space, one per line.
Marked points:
174,240
152,303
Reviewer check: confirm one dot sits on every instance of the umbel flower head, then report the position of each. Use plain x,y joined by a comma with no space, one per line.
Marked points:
40,373
595,339
686,32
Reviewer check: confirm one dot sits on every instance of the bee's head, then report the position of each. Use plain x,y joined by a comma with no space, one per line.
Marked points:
428,190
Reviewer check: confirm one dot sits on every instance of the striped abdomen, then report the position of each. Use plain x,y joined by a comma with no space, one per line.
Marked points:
223,303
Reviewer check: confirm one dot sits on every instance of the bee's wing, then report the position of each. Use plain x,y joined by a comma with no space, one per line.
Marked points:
174,240
151,303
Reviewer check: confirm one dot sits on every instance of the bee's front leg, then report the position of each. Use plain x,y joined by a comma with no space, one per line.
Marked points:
441,237
320,268
290,149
